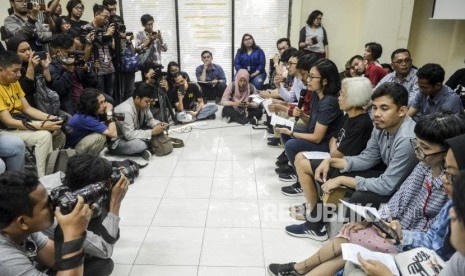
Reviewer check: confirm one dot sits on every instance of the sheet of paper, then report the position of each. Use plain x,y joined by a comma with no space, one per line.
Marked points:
276,120
266,103
315,154
350,251
361,209
256,98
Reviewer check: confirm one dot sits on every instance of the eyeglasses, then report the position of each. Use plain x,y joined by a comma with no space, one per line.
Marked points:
419,151
205,57
449,177
79,7
401,61
310,78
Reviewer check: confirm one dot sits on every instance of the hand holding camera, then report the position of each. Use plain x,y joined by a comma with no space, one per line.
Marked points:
117,194
75,223
111,29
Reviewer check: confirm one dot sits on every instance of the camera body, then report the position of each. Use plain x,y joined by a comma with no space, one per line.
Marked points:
78,58
118,22
126,168
65,128
42,55
30,5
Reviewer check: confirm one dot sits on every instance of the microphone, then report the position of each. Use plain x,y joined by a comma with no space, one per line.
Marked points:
301,101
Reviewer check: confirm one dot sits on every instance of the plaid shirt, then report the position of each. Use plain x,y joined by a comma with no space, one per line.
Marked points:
417,202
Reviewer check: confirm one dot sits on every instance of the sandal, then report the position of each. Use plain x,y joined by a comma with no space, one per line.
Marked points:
298,211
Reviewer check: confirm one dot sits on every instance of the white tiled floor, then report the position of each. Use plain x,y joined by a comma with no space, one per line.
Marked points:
213,207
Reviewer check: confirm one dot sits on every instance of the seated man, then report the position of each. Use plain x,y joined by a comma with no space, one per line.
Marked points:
12,153
15,112
389,146
434,97
25,211
89,133
276,66
210,77
457,83
404,73
103,230
138,125
190,105
358,66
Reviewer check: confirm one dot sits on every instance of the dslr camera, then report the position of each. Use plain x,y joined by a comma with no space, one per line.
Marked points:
65,128
63,197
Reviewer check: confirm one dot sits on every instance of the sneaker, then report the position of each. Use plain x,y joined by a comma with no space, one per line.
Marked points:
254,122
274,142
288,177
146,155
284,169
270,130
211,117
314,231
282,269
292,190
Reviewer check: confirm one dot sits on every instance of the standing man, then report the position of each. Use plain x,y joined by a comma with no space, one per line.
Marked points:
211,77
404,73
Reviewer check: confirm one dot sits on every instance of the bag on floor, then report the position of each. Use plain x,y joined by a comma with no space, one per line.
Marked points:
57,160
161,144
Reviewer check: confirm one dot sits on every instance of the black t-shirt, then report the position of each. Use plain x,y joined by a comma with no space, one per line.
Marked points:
190,97
354,134
325,112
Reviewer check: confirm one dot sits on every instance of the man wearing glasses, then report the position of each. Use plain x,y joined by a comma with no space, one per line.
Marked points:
210,77
25,22
404,73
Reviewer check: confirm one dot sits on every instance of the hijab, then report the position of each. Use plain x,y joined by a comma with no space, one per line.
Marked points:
241,96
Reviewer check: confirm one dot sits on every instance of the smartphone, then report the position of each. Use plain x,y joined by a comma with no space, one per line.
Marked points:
390,233
181,90
41,54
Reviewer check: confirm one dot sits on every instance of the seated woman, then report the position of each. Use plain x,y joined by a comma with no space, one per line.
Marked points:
235,100
328,260
172,68
351,139
251,58
324,118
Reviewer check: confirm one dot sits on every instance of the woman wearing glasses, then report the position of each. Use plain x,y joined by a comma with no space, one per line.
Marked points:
251,58
420,206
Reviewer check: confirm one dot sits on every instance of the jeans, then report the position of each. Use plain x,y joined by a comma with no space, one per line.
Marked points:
258,80
293,146
12,150
129,147
106,83
207,110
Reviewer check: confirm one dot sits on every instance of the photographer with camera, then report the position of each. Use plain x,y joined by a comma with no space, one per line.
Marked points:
19,118
102,40
103,185
70,75
149,43
25,210
138,127
24,22
89,133
190,105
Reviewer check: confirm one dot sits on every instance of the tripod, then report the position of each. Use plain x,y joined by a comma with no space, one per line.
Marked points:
164,102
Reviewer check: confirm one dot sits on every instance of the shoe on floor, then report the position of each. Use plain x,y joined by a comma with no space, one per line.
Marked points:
146,155
270,130
315,231
292,190
284,169
282,269
254,122
288,177
274,142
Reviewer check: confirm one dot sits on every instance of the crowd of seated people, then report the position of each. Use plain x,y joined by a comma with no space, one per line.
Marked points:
388,139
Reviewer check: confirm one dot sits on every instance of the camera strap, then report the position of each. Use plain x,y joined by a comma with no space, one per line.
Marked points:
64,248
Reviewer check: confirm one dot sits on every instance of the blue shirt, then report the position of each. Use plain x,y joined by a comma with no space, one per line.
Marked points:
410,83
253,62
214,73
83,125
445,101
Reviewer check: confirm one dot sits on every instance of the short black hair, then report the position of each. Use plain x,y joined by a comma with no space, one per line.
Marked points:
376,49
458,193
288,53
206,52
398,51
395,91
144,19
387,66
63,41
109,2
144,89
432,72
359,57
307,61
328,70
84,169
15,188
312,16
88,102
438,127
71,4
98,9
8,58
282,40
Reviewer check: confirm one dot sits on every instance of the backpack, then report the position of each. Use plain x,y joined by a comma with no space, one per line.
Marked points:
57,160
129,61
46,99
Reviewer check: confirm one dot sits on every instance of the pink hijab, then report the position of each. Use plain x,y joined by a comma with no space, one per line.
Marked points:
241,96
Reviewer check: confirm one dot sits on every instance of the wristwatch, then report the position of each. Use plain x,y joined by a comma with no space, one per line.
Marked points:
110,113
